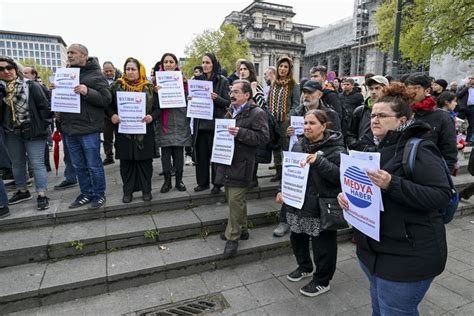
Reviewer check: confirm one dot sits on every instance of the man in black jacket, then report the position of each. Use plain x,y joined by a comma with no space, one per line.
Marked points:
251,130
350,98
82,130
111,74
359,135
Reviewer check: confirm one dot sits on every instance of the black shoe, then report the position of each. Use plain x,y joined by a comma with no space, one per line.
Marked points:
97,203
147,197
42,202
127,198
298,275
179,181
4,211
19,196
108,161
216,190
231,247
313,289
167,186
81,200
65,185
201,188
243,236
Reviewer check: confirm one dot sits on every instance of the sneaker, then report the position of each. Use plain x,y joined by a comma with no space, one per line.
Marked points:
312,289
4,211
97,203
43,203
65,185
281,230
298,275
19,196
189,161
81,200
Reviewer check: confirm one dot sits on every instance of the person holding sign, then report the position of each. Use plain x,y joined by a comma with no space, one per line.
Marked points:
135,151
82,130
26,116
251,130
412,250
324,148
203,130
172,132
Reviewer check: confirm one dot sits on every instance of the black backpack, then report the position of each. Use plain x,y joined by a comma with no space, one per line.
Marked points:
408,162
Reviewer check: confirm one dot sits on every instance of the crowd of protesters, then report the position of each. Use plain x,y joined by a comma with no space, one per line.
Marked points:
380,115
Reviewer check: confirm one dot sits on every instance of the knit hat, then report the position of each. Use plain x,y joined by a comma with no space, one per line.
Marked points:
443,83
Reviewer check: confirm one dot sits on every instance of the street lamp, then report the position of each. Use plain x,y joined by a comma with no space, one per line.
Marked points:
396,40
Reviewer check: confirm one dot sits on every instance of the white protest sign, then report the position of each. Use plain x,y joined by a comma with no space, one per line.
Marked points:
131,108
298,124
223,147
63,97
294,179
363,196
171,93
201,105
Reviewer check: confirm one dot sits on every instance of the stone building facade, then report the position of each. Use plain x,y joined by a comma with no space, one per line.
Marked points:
270,30
348,46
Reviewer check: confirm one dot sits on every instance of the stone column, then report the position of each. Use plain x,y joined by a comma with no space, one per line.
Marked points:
329,60
340,71
296,68
265,63
354,69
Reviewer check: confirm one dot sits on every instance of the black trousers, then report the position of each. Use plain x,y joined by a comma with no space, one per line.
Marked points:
324,253
470,120
177,153
136,175
203,153
109,128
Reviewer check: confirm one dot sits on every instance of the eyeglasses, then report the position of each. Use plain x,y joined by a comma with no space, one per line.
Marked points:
380,116
8,68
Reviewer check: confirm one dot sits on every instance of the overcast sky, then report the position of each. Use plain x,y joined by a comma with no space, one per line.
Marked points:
144,29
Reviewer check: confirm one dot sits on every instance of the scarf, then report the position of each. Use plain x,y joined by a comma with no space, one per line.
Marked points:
135,86
427,104
278,97
166,112
17,100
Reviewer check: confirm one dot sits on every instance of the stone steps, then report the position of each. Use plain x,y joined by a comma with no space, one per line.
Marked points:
107,234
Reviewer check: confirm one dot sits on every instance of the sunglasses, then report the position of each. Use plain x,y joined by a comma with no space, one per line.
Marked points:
8,68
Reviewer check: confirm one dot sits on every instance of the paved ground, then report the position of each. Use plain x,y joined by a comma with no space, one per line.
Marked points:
261,288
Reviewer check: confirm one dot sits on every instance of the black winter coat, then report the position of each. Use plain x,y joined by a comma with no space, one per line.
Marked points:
332,115
253,131
462,95
93,104
126,146
323,178
443,134
221,103
412,243
351,101
359,135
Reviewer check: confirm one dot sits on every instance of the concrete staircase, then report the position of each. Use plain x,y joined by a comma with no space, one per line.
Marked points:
62,254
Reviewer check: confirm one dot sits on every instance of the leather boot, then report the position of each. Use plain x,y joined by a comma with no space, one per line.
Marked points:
277,176
467,192
179,181
167,185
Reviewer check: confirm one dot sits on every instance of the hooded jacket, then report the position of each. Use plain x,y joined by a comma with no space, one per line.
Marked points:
93,104
412,243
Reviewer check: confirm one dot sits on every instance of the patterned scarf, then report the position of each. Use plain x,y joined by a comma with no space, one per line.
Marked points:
278,96
17,100
137,85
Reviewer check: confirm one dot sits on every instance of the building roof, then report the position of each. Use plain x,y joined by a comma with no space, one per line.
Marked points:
59,38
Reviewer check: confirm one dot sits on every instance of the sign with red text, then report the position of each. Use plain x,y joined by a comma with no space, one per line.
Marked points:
363,196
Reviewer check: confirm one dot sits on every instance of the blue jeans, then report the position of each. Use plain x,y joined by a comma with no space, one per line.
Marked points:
69,172
3,195
84,151
18,149
392,298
